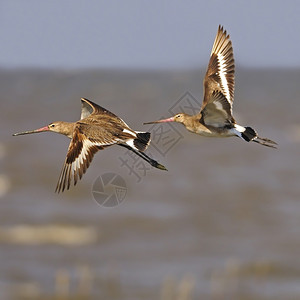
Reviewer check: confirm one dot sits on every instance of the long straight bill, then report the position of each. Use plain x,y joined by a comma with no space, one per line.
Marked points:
161,121
46,128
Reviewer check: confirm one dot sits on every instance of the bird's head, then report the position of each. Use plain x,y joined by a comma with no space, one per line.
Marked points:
58,127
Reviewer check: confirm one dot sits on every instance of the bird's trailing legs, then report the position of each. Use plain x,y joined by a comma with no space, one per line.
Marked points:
144,156
265,142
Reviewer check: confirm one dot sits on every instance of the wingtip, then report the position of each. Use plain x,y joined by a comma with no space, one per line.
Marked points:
224,31
57,190
85,100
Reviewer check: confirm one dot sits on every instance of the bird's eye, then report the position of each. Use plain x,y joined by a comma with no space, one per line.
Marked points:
52,125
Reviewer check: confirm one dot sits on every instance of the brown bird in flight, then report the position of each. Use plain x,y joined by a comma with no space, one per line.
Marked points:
97,129
215,117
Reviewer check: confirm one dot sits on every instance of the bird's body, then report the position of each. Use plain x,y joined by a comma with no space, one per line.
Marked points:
215,117
97,129
194,125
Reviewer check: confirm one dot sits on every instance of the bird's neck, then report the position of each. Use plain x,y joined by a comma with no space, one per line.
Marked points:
191,122
66,128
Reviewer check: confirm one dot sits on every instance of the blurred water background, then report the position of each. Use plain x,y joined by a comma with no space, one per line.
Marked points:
222,223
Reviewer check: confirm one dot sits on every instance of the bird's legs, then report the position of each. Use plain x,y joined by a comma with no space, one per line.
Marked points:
144,156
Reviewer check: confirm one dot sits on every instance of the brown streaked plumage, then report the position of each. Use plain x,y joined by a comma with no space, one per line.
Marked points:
97,129
215,117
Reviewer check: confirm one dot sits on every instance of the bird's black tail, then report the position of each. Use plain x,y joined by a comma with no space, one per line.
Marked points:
249,134
142,141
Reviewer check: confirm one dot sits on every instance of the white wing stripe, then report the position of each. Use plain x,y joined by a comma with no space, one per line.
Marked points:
222,73
84,152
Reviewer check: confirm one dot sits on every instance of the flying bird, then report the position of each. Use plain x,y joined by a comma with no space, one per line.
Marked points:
215,117
96,130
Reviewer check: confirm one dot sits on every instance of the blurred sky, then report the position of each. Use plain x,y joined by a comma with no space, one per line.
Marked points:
146,34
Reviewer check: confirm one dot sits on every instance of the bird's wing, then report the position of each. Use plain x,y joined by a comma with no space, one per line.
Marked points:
80,154
87,108
90,108
217,112
220,71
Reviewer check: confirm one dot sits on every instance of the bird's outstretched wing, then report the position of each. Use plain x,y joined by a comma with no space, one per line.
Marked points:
219,76
80,154
89,107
